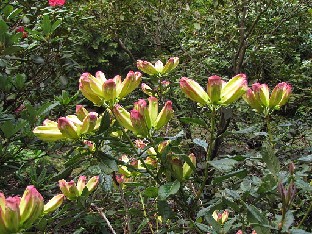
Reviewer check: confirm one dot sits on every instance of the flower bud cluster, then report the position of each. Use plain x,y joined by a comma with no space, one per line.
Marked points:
144,117
73,191
70,127
158,68
100,90
218,92
220,217
258,97
20,213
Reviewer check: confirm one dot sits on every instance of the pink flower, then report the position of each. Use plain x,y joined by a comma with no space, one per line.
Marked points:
21,29
54,3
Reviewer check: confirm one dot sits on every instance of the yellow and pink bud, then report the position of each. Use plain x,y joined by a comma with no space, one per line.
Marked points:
171,64
233,89
164,116
123,117
130,83
147,89
53,204
194,91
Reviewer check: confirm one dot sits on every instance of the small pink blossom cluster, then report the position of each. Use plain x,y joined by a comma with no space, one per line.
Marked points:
54,3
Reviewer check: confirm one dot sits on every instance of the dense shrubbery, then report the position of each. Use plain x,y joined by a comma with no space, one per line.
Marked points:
165,163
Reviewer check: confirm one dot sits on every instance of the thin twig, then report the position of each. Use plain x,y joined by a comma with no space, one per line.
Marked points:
102,214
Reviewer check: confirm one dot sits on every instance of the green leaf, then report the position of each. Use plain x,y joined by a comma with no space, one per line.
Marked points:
258,220
168,189
3,27
164,210
203,227
193,120
55,25
108,165
307,158
46,25
270,159
201,143
268,184
289,220
240,174
151,192
105,122
9,128
20,80
299,231
225,164
142,225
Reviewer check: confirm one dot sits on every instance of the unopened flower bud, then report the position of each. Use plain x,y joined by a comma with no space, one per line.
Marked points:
138,122
187,170
234,89
130,83
214,88
93,183
194,91
67,128
53,204
123,117
164,116
146,89
109,90
81,112
146,67
171,64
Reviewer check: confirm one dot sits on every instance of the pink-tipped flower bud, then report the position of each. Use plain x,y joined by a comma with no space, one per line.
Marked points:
81,112
81,184
67,128
123,117
171,64
164,116
194,91
69,189
90,88
146,67
12,214
93,183
262,93
146,89
253,101
130,83
31,206
214,88
280,95
53,204
138,122
234,89
109,90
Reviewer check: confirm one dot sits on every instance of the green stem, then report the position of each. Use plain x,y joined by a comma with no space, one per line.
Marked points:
269,129
209,151
305,216
135,150
145,214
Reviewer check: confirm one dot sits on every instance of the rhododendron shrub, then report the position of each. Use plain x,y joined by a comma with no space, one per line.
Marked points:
135,146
